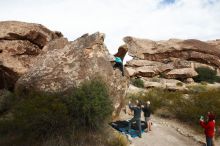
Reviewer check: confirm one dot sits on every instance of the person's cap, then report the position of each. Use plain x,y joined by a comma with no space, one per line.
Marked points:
148,102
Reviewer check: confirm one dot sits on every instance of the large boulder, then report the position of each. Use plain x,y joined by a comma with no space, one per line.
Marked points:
20,44
35,33
182,73
140,63
60,70
169,84
180,63
146,68
151,71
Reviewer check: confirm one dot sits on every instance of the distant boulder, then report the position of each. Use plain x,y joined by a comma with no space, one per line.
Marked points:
192,50
183,73
172,59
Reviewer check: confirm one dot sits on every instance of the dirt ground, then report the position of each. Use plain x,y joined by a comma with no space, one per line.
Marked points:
162,135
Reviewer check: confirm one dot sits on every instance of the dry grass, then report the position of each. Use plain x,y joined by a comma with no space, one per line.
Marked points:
118,140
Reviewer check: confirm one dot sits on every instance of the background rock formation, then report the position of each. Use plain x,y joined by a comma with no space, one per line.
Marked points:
20,43
172,59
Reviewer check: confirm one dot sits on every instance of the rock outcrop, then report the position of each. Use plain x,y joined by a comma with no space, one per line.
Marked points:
172,59
35,33
20,44
182,73
59,70
169,84
146,68
122,51
193,50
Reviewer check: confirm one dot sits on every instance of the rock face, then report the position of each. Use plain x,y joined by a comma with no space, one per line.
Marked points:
169,84
59,70
182,73
146,68
193,50
121,52
34,33
20,43
172,59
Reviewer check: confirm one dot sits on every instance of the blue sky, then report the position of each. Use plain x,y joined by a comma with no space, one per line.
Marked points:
168,1
151,19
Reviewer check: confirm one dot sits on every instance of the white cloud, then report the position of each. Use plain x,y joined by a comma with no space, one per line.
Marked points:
150,19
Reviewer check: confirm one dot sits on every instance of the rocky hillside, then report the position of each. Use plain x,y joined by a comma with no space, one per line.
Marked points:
36,59
170,61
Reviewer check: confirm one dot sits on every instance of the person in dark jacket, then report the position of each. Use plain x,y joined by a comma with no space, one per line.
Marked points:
147,113
136,118
119,64
209,128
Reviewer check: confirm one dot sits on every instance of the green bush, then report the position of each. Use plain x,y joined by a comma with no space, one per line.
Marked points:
158,97
89,105
162,75
190,109
206,74
217,79
7,99
180,84
36,118
137,82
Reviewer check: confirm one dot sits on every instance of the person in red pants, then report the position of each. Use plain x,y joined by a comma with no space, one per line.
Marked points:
209,128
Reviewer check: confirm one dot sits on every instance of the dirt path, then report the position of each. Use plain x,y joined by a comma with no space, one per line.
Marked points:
163,135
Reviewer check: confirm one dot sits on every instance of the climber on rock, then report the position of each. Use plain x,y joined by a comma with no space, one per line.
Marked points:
119,64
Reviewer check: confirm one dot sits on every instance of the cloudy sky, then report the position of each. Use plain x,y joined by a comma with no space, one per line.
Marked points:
152,19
